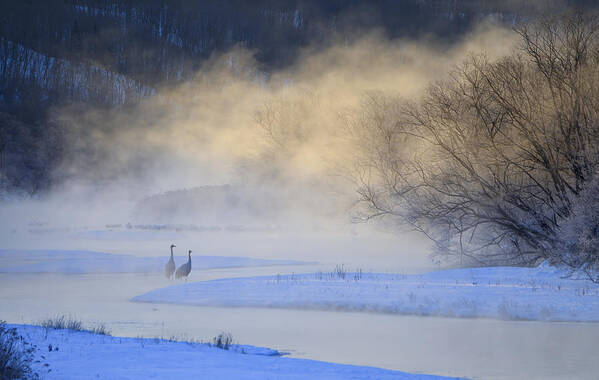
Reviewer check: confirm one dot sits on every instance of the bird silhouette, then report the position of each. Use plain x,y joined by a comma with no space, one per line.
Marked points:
185,269
169,268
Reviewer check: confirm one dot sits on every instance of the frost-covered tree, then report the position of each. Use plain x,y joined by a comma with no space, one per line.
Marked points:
492,162
580,231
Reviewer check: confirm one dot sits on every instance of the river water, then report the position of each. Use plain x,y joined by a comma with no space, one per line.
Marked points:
474,348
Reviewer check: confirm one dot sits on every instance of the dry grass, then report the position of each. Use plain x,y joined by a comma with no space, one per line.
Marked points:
63,322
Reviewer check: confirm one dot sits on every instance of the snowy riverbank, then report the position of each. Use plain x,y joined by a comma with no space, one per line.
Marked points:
83,355
501,292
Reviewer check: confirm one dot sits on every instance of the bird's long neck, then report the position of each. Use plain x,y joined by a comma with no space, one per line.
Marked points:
171,252
189,260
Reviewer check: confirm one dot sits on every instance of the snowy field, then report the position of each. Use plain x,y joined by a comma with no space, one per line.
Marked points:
500,293
80,262
65,354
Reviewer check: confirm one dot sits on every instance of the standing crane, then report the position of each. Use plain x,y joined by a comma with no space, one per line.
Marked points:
169,268
185,269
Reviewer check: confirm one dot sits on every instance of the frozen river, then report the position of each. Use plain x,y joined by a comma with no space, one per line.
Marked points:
475,348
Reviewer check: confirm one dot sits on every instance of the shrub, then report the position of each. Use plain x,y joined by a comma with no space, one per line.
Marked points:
340,271
223,340
62,323
16,355
100,329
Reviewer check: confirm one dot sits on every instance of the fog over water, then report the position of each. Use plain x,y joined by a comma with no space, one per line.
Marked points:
239,149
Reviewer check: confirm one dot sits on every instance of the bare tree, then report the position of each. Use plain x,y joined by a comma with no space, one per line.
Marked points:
490,162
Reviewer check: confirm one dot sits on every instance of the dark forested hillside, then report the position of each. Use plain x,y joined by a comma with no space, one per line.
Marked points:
112,53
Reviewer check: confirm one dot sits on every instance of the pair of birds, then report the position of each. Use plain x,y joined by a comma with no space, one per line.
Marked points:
183,271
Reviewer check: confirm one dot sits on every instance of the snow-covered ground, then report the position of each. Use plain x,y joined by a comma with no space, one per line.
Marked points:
65,354
501,292
55,261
